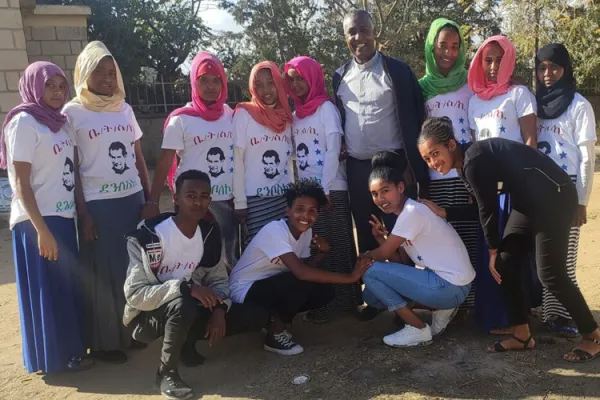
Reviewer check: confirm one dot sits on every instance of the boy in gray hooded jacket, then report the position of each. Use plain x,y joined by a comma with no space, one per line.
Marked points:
177,287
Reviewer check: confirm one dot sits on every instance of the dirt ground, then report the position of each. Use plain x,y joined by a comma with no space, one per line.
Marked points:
344,359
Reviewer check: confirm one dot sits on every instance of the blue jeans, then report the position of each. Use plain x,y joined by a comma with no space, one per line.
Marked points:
393,286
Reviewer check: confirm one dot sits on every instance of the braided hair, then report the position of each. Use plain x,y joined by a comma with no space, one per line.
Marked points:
439,129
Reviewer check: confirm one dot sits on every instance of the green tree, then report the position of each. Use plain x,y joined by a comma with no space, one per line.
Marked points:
146,34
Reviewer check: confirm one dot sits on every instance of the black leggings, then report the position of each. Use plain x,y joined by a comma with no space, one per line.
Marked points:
284,295
550,236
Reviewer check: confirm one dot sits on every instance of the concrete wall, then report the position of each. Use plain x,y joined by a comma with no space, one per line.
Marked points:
13,55
56,34
152,126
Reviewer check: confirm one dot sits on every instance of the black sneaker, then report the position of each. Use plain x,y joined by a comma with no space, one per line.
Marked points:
111,357
282,344
190,357
171,385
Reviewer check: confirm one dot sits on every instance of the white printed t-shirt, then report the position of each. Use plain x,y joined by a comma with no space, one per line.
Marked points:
181,255
261,259
454,105
560,138
105,142
434,244
206,146
499,117
265,166
318,141
52,170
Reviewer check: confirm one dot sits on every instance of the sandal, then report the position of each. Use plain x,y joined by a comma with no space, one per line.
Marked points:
583,355
498,348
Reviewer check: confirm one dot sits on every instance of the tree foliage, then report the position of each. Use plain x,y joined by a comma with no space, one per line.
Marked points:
575,23
146,34
278,30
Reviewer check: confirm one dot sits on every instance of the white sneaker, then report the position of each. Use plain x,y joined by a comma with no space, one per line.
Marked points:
409,336
440,320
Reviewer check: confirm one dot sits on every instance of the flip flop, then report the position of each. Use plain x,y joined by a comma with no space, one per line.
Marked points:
583,355
498,348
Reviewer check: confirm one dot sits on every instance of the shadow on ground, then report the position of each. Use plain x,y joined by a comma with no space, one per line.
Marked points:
346,359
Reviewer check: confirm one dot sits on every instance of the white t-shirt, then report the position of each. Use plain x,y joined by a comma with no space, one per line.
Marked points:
261,259
434,243
561,137
318,141
206,146
499,117
105,142
52,170
181,255
267,156
454,105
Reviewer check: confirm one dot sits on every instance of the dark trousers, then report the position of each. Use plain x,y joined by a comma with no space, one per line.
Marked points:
550,236
361,202
183,321
283,295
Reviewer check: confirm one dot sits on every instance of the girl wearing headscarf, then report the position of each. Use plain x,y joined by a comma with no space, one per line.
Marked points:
502,109
317,133
567,134
201,135
447,94
499,108
112,182
262,135
37,150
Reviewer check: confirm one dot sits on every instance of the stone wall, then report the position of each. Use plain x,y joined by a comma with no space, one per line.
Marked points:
13,55
56,34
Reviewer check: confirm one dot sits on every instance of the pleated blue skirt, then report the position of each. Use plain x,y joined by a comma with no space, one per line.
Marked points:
49,297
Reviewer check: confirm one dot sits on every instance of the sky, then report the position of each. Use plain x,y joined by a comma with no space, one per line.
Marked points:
219,20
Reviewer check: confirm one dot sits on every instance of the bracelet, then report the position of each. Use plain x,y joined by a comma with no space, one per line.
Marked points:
151,203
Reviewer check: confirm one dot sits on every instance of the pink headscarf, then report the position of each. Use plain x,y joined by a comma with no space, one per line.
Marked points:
477,81
276,119
310,70
204,63
31,88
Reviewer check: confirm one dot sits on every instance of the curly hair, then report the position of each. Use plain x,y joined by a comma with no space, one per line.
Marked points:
305,188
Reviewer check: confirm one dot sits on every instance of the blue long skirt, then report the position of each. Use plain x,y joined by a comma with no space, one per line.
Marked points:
490,303
49,297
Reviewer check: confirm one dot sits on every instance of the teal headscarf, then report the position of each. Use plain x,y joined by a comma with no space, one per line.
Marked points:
434,83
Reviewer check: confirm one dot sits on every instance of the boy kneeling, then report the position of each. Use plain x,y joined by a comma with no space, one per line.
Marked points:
275,272
177,288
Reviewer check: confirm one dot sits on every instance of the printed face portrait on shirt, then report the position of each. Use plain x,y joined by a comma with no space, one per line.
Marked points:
216,161
118,157
271,163
302,156
68,177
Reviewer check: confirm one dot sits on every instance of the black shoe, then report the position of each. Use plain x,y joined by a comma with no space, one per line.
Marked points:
171,385
368,313
190,357
111,357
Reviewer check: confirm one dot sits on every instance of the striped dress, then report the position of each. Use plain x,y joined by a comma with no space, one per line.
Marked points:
551,307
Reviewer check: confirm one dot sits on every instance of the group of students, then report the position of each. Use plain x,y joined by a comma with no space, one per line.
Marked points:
279,177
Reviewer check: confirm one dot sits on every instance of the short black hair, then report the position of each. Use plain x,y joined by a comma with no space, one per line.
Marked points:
216,151
437,128
385,167
191,174
303,147
305,188
271,153
69,162
117,146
